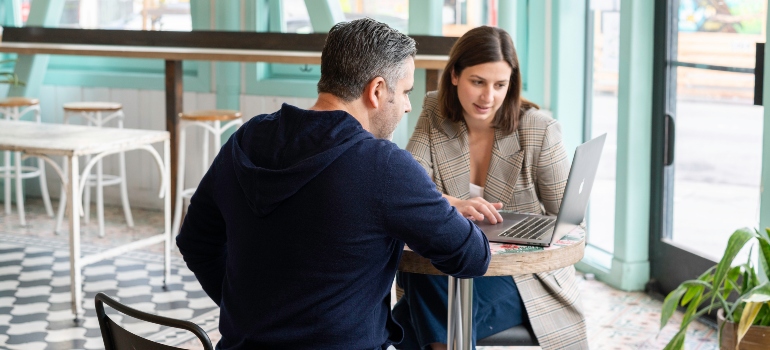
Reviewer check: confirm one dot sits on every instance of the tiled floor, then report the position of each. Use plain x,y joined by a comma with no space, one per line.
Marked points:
34,295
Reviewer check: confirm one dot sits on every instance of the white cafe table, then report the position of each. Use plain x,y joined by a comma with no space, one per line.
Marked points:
71,141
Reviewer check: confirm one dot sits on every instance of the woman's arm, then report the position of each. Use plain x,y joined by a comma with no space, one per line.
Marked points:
552,169
420,146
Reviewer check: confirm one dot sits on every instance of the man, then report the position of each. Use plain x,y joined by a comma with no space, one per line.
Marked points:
297,228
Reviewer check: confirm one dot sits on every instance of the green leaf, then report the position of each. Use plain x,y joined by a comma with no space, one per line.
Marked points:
732,278
690,312
764,255
760,294
763,319
696,290
738,305
677,342
725,305
670,303
734,245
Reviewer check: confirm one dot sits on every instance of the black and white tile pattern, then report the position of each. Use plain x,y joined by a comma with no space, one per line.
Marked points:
35,296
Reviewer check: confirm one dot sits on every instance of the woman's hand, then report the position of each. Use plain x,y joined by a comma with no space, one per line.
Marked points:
477,209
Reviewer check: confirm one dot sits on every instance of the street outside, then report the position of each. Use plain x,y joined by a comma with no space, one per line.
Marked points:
717,173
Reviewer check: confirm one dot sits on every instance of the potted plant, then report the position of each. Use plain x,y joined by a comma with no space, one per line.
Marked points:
747,318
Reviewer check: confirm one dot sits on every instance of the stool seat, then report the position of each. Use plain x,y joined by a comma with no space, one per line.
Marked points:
210,115
18,102
92,106
520,335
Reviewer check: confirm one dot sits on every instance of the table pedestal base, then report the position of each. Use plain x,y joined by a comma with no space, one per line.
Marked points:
460,314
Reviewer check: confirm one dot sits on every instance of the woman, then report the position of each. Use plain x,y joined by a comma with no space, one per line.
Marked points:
488,148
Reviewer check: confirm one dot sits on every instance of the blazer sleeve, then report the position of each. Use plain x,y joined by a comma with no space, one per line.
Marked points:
420,143
202,239
552,168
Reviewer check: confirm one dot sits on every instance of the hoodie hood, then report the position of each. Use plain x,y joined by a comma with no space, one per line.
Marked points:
275,155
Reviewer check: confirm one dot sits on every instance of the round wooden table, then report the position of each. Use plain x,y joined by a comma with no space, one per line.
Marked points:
507,260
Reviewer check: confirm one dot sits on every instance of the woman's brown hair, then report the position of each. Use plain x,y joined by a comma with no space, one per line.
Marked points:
483,45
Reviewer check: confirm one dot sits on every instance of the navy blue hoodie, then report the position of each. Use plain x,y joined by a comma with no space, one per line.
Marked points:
297,229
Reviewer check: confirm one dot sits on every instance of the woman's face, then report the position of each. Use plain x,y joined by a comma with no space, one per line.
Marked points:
481,90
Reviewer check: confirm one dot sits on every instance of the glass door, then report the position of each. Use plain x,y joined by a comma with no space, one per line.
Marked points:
708,134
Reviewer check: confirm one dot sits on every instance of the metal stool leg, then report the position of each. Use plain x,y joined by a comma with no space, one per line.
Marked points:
62,201
19,192
87,196
41,169
7,181
44,188
100,197
123,185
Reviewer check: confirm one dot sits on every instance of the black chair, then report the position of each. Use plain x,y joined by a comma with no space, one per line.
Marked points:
118,338
520,335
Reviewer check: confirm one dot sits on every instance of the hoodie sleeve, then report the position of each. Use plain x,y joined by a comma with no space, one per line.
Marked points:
202,238
414,212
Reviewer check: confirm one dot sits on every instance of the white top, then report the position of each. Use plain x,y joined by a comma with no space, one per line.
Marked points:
476,191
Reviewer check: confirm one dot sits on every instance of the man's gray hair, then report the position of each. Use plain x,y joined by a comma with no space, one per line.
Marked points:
357,52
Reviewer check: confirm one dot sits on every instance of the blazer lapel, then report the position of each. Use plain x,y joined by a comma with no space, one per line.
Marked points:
453,159
504,168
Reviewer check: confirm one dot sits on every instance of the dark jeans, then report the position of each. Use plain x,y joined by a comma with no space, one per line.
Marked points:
422,311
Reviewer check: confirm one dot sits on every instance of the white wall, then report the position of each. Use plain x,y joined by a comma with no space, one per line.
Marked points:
145,109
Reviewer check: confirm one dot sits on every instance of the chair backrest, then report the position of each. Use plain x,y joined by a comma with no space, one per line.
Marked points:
118,338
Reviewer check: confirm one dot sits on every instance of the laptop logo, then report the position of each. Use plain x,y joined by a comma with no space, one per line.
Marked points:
580,190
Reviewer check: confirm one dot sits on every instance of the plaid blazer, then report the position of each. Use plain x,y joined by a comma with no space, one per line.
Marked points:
527,173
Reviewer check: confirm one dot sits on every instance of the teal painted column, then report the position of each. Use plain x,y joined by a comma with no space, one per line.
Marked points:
324,14
512,17
538,34
12,13
568,19
507,19
764,187
522,39
31,68
630,265
228,74
424,19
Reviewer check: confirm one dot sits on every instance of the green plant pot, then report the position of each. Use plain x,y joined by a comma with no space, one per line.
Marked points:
757,338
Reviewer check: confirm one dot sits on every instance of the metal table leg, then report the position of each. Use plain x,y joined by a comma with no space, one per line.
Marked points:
166,174
76,288
466,318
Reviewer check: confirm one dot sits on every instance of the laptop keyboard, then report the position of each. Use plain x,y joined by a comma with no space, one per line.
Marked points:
530,228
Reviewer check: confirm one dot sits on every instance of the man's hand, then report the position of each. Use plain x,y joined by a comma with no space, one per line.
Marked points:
477,209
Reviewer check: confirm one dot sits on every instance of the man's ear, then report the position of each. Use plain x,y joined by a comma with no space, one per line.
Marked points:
375,92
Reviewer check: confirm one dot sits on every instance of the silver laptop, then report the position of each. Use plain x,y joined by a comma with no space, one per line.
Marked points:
541,230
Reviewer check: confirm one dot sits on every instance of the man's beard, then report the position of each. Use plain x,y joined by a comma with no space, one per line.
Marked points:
385,122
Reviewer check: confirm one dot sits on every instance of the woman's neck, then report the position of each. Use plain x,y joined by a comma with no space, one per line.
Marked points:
479,127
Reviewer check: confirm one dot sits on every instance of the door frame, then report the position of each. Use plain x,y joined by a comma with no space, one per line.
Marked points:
670,263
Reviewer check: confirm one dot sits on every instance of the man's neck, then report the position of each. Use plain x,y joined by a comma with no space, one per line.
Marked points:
329,102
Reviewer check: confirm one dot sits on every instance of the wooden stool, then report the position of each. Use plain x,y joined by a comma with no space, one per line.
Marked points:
97,114
15,108
210,121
